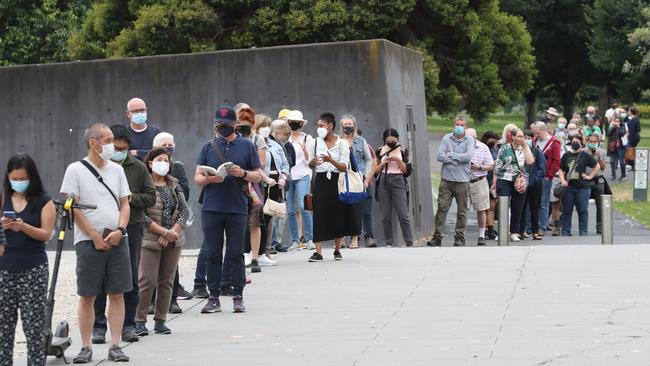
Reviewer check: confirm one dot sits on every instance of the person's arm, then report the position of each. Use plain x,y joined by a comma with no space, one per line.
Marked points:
443,154
43,233
181,175
554,166
114,238
563,180
368,156
147,197
467,156
488,163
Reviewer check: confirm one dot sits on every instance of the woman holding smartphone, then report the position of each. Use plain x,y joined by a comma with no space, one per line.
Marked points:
27,221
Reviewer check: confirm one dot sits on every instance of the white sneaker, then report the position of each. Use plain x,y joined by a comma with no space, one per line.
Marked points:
311,245
294,246
514,237
247,259
263,260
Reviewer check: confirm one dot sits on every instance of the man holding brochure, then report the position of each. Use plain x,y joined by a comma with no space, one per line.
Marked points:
225,204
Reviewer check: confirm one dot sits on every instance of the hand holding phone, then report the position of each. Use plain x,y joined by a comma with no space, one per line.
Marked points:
9,214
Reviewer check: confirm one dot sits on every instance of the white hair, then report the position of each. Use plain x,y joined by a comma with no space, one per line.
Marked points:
157,141
541,125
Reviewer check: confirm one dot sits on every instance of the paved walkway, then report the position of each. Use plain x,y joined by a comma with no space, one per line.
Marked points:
541,305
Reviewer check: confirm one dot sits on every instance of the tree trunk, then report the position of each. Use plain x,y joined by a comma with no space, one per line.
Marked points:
603,102
531,112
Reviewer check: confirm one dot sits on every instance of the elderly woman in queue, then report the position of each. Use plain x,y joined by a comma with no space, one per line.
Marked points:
280,133
177,170
360,150
27,223
329,156
392,187
163,239
512,160
276,173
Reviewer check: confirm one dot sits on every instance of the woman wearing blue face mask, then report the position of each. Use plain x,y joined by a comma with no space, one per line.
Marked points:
27,221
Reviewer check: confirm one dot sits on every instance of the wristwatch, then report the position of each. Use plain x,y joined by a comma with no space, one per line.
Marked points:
122,230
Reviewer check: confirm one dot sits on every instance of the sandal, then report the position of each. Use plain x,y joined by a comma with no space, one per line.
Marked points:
354,246
537,236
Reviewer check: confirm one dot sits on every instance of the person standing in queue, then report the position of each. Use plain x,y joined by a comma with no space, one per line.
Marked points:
329,156
479,187
225,206
140,133
27,224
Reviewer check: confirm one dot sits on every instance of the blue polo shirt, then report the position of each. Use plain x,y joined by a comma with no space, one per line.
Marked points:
228,196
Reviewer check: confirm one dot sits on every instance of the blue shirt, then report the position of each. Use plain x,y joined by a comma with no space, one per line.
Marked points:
229,195
455,157
23,252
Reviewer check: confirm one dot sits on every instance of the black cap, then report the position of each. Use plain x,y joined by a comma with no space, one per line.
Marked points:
225,113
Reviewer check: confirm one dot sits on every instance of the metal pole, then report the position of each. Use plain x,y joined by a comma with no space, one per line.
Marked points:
504,220
607,219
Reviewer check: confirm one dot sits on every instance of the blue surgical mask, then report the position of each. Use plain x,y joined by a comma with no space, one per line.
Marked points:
560,126
529,143
19,186
592,146
119,155
139,118
459,130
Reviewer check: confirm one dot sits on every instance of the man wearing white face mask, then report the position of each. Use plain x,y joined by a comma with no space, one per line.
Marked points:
140,133
103,263
143,196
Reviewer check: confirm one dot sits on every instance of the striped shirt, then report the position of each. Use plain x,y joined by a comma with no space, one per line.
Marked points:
3,238
482,156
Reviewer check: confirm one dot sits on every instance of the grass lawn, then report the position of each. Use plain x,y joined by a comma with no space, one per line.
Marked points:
622,195
497,122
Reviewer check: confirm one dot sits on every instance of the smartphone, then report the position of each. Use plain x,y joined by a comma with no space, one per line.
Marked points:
106,233
9,214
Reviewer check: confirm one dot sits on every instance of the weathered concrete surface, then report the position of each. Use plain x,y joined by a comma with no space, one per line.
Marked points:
538,305
45,108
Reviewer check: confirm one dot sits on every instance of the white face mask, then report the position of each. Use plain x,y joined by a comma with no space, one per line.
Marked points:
322,132
265,132
107,152
160,167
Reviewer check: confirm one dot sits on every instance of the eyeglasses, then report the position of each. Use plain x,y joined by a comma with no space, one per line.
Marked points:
120,149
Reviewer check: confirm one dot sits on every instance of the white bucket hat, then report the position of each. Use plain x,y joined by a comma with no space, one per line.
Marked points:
552,111
296,115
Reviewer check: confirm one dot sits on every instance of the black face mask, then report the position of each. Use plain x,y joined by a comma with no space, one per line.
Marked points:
225,131
244,130
348,130
491,144
576,145
169,149
392,145
294,125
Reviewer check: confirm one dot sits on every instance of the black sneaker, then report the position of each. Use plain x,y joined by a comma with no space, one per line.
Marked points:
459,241
255,266
116,354
183,294
200,292
152,309
491,234
99,336
370,242
141,330
238,305
128,335
227,291
84,356
409,245
174,308
316,257
337,256
481,241
161,328
281,248
436,241
212,306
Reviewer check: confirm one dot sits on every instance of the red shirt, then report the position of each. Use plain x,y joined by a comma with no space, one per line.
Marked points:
552,152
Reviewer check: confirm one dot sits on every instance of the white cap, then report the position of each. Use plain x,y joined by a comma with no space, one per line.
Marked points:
296,115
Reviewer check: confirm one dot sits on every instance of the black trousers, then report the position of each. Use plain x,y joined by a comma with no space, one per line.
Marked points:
598,190
532,204
136,234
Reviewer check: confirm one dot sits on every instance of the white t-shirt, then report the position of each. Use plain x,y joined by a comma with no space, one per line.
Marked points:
340,151
79,181
301,169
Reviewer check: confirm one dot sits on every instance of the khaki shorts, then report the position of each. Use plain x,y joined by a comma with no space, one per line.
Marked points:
554,183
479,195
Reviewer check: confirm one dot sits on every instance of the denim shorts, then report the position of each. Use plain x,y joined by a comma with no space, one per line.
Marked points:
103,271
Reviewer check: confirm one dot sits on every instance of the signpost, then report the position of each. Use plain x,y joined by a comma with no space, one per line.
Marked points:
641,175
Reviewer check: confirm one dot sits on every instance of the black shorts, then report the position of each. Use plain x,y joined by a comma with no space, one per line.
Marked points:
103,271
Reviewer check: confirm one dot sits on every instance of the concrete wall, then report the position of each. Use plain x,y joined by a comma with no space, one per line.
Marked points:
45,108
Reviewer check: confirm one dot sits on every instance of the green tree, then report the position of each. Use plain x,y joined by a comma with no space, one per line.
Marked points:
640,40
37,31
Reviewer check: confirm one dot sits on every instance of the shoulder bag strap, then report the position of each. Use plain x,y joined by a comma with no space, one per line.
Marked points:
101,180
313,170
218,151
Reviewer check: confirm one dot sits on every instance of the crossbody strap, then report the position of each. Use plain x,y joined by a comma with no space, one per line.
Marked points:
218,151
101,180
313,170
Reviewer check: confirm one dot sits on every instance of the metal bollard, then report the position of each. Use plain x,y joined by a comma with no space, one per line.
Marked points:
607,219
504,220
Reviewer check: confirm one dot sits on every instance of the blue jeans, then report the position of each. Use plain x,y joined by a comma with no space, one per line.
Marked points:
545,204
578,197
296,193
234,226
201,270
616,159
